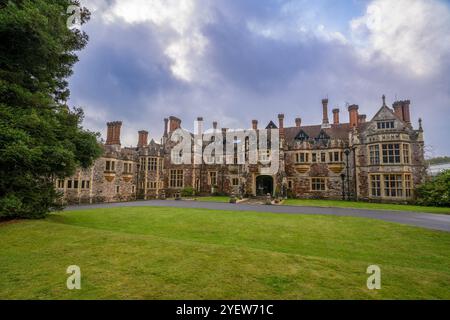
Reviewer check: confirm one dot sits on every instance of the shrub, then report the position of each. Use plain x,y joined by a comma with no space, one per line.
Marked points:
435,192
188,192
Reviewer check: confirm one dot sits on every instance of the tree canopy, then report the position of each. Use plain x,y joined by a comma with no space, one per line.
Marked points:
41,137
438,160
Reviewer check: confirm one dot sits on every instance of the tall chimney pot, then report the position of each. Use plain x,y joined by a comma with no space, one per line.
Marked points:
113,133
143,139
166,127
325,111
353,114
336,116
281,121
406,111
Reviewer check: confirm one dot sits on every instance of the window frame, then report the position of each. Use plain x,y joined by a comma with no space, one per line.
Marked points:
374,155
386,125
375,185
176,178
393,187
391,155
318,181
110,165
406,153
211,178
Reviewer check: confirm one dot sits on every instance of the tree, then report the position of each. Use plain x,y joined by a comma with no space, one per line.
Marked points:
435,192
41,138
438,160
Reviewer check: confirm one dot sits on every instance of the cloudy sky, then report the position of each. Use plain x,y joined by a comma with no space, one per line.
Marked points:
237,60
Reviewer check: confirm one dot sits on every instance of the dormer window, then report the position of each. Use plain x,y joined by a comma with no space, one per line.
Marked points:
302,136
386,125
271,125
323,136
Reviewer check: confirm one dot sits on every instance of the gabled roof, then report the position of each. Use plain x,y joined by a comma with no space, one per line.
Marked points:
385,109
271,125
301,135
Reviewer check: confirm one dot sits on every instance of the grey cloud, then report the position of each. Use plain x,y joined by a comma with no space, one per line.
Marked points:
125,75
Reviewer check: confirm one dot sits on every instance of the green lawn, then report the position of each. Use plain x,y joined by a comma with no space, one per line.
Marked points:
213,199
364,205
172,253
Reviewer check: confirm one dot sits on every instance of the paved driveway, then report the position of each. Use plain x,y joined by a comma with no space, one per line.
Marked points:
425,220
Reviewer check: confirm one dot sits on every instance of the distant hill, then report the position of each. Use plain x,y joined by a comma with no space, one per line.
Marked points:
438,160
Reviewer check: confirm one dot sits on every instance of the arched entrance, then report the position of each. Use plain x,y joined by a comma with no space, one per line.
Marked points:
264,185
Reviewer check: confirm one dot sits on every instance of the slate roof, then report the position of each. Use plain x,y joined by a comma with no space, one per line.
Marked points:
339,131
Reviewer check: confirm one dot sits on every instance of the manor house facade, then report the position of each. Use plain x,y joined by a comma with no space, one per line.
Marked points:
377,160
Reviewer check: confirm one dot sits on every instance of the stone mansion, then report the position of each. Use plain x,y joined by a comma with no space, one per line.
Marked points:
381,159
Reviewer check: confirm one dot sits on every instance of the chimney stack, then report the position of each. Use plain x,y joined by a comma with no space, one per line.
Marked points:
402,110
143,139
325,120
281,124
336,116
298,122
398,110
281,121
406,112
174,124
113,133
166,127
353,113
255,124
215,125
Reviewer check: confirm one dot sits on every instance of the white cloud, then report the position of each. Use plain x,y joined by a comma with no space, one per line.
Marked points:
296,21
414,34
180,23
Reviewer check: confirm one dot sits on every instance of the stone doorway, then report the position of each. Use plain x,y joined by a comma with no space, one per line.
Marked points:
264,185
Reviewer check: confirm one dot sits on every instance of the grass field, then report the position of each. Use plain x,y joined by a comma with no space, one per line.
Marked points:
170,253
364,205
213,199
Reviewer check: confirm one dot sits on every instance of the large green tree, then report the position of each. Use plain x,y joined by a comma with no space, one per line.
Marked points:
41,138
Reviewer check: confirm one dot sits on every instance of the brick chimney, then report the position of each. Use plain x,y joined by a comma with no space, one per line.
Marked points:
281,124
113,133
166,127
174,124
398,109
353,114
406,111
325,121
336,116
298,122
255,124
143,139
215,125
402,110
281,121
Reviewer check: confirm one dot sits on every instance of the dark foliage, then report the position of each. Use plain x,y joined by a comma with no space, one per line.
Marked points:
41,138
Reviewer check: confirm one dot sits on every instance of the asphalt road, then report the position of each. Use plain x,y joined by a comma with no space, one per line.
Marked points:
425,220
